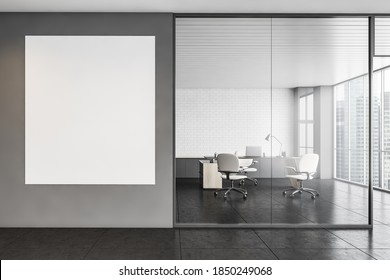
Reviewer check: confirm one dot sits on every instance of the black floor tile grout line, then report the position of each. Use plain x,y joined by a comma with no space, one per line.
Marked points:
329,230
269,248
94,243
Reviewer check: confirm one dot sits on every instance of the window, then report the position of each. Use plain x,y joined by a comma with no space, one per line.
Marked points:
306,124
382,93
351,130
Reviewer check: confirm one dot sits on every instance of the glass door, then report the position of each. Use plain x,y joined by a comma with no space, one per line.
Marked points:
320,117
223,106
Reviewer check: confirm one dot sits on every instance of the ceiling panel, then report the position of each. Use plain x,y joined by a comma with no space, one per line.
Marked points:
237,52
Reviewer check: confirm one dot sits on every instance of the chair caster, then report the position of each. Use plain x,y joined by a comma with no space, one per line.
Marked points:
256,182
215,193
225,196
284,193
318,194
313,197
291,195
244,196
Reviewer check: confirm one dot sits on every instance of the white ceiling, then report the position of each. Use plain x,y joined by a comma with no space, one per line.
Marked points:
260,53
198,6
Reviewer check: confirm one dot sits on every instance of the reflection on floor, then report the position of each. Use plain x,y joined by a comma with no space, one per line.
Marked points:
339,203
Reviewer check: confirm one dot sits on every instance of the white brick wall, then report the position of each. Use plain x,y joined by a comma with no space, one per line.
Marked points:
227,120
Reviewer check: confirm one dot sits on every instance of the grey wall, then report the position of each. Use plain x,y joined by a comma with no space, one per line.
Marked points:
82,205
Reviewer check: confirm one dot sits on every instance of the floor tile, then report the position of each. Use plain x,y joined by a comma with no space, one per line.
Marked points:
253,201
281,216
139,238
382,216
258,216
301,238
8,235
45,253
133,254
321,254
220,238
227,254
379,254
200,199
335,215
339,203
57,237
218,215
376,238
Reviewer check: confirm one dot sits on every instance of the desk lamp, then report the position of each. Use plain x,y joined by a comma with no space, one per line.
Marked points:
269,138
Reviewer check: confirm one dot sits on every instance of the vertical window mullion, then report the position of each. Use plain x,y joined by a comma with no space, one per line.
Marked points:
349,131
381,134
306,126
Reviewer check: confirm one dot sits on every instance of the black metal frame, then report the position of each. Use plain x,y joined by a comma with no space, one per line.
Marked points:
371,54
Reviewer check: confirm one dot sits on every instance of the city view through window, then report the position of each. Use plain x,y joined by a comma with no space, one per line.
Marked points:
351,129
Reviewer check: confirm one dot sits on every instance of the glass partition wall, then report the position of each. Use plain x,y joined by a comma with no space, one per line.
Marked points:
223,105
275,91
324,63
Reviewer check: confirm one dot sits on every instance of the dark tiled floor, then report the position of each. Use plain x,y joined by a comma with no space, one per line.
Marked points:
262,244
338,203
131,244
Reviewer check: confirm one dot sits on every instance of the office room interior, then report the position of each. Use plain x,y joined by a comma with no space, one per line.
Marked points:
118,123
286,87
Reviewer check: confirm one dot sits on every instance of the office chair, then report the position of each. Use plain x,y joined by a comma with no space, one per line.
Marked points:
245,167
307,168
229,167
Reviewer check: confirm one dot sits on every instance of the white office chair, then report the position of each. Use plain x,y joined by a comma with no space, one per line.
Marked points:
245,167
307,168
229,167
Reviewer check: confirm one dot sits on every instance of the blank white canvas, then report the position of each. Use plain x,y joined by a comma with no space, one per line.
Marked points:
90,110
